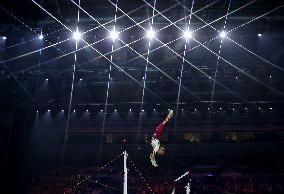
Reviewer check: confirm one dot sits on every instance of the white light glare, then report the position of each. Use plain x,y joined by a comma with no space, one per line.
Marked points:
40,37
259,35
4,37
223,34
187,34
77,35
150,34
113,35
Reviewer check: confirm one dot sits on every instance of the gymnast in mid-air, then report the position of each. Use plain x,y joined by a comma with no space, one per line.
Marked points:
157,148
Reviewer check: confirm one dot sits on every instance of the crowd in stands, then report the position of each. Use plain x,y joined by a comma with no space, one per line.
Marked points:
249,184
235,175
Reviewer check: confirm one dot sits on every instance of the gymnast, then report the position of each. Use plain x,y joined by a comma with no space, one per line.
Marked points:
157,148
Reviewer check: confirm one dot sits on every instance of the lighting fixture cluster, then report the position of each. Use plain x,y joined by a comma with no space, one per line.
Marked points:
150,34
182,110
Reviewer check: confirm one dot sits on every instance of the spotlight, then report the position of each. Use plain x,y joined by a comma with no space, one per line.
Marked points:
259,35
195,109
4,37
270,76
74,110
143,110
220,108
62,110
130,110
46,79
236,77
37,111
187,34
182,109
270,108
208,108
223,34
48,110
233,109
150,34
115,110
40,37
81,79
259,108
246,108
102,110
113,34
154,109
77,35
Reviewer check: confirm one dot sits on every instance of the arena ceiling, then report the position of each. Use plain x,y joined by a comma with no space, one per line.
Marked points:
142,55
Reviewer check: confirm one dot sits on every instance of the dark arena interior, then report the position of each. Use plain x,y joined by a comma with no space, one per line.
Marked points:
92,91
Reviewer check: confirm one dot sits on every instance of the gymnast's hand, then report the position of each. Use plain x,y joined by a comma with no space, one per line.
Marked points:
153,160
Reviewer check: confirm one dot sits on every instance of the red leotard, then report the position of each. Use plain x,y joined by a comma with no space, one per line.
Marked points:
159,131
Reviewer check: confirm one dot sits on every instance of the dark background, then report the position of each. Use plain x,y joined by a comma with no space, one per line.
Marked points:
242,118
